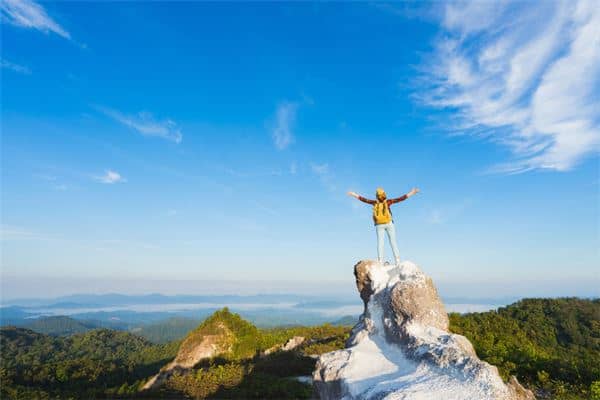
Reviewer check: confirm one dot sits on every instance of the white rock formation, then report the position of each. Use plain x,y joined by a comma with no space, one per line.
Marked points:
292,344
401,347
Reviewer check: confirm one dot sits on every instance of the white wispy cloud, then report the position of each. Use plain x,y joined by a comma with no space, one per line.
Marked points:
9,232
115,244
320,169
46,177
110,177
285,118
448,211
523,74
323,172
29,14
435,217
21,69
53,181
145,124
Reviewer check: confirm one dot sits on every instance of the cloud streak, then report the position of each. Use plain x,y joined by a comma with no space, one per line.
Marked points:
145,124
15,67
8,232
447,212
285,118
523,74
111,177
323,172
31,15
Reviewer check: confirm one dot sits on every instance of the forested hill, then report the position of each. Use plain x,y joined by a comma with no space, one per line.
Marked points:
59,326
103,363
36,365
552,345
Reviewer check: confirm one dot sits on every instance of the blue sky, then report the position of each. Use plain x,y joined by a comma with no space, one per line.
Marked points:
149,142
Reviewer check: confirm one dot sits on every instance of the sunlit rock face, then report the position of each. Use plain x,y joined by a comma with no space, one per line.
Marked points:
401,347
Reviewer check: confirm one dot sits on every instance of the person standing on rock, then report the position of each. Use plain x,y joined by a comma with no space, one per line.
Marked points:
382,216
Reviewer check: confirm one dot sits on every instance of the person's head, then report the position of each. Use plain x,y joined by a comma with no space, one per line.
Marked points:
380,194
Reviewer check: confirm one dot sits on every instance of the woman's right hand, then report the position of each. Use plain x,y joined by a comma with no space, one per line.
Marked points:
353,194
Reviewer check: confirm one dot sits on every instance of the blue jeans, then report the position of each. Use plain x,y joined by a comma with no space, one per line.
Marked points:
391,232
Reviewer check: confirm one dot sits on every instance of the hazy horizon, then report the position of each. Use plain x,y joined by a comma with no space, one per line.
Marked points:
52,287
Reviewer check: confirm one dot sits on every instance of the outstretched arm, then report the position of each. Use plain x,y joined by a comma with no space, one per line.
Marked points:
412,192
406,196
363,199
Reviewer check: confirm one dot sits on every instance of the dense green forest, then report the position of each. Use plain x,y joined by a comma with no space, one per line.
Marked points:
88,365
246,372
551,345
164,331
103,363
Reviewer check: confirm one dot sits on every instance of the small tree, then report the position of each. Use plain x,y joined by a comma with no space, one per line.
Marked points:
595,390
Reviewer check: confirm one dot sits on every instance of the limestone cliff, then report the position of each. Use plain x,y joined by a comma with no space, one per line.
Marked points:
401,347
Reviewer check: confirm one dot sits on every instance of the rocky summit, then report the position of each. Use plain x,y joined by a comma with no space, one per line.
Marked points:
401,347
222,334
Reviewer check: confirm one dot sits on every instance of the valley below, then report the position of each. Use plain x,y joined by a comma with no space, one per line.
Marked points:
551,345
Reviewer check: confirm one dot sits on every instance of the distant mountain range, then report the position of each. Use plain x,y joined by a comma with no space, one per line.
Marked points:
163,331
115,299
59,326
80,313
162,318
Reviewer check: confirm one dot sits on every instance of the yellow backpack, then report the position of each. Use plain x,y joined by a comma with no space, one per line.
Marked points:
381,213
